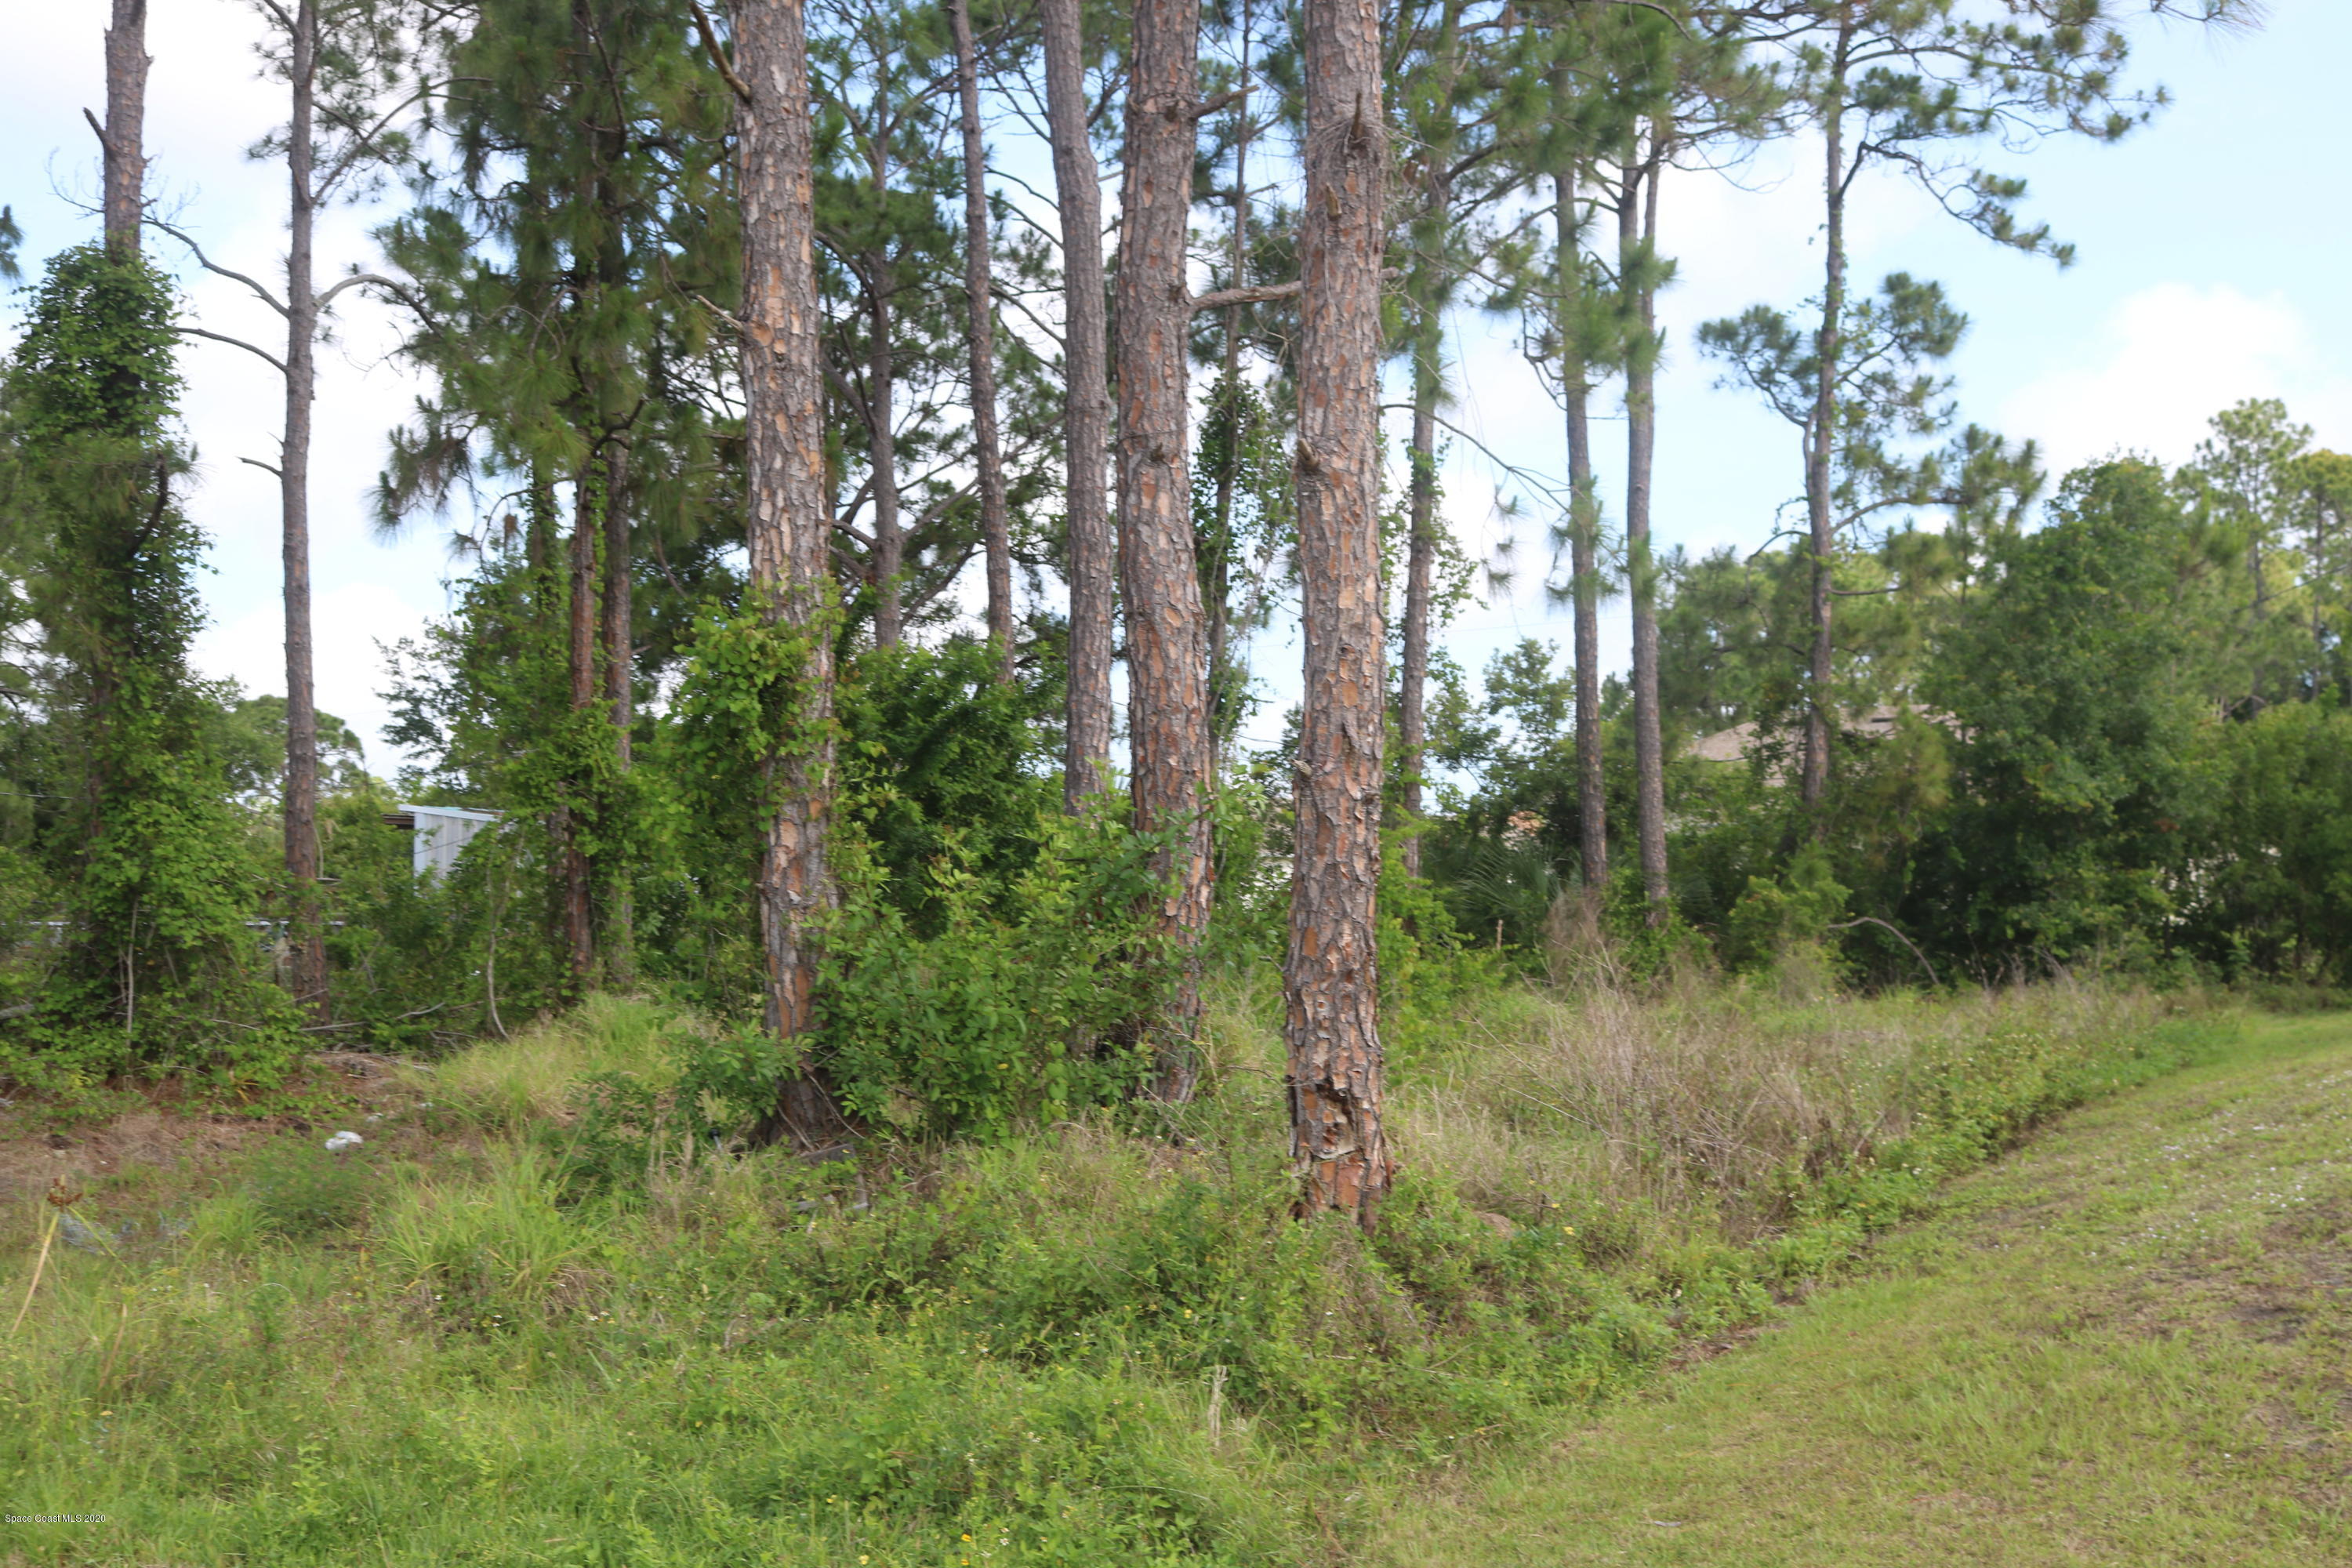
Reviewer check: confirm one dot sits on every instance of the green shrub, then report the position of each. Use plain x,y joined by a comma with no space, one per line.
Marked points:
1022,1006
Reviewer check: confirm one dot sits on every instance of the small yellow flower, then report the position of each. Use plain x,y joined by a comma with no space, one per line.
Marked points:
967,1538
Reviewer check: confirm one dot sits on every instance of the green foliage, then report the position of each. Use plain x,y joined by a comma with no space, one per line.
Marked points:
1244,527
484,696
2059,746
2272,858
157,873
2082,681
1500,890
942,758
97,360
1429,968
738,1359
1771,918
251,740
1010,1008
1886,385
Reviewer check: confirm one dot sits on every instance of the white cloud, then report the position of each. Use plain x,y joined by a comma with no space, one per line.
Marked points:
2168,359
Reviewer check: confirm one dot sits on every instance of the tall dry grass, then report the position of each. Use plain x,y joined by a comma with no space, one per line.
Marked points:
1702,1101
1696,1105
532,1074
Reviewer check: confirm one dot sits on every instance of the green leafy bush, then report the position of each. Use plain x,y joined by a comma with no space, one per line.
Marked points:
1021,1002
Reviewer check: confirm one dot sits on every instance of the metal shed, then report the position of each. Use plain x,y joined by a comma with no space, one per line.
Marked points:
439,833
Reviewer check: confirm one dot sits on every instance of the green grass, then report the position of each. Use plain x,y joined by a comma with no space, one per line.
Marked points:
2125,1345
541,1319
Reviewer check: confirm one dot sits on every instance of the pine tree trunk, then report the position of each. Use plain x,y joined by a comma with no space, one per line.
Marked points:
124,143
538,545
995,531
1086,431
1168,699
550,597
1435,222
882,448
1216,602
1338,1141
1637,232
579,660
301,807
618,658
1584,550
789,526
1421,553
1223,689
1821,439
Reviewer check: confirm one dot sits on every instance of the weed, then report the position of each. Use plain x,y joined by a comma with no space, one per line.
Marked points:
299,1191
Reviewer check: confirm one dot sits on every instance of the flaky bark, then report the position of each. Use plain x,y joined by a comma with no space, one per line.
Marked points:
1338,1139
301,806
617,656
579,660
1584,551
1222,688
882,448
1079,193
1420,554
1435,217
1821,441
789,522
995,532
1168,697
1637,216
123,142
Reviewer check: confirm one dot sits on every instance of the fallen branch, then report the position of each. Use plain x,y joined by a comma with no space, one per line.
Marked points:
1875,921
42,1262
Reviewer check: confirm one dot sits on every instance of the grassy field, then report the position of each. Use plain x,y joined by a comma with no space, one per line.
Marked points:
542,1315
2127,1344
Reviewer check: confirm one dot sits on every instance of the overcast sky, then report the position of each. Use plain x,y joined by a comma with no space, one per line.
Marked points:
2211,264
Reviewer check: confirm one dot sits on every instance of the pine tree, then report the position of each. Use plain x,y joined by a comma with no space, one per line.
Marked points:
1092,563
124,136
790,530
1339,1137
980,303
1917,85
139,834
564,316
882,172
1167,701
1452,98
340,59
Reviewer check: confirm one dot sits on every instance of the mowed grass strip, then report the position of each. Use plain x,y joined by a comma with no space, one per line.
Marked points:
2127,1345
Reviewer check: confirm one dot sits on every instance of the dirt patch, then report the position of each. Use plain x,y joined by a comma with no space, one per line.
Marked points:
162,1133
28,1164
1692,1352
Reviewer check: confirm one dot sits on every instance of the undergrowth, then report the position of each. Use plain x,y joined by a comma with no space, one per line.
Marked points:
543,1314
